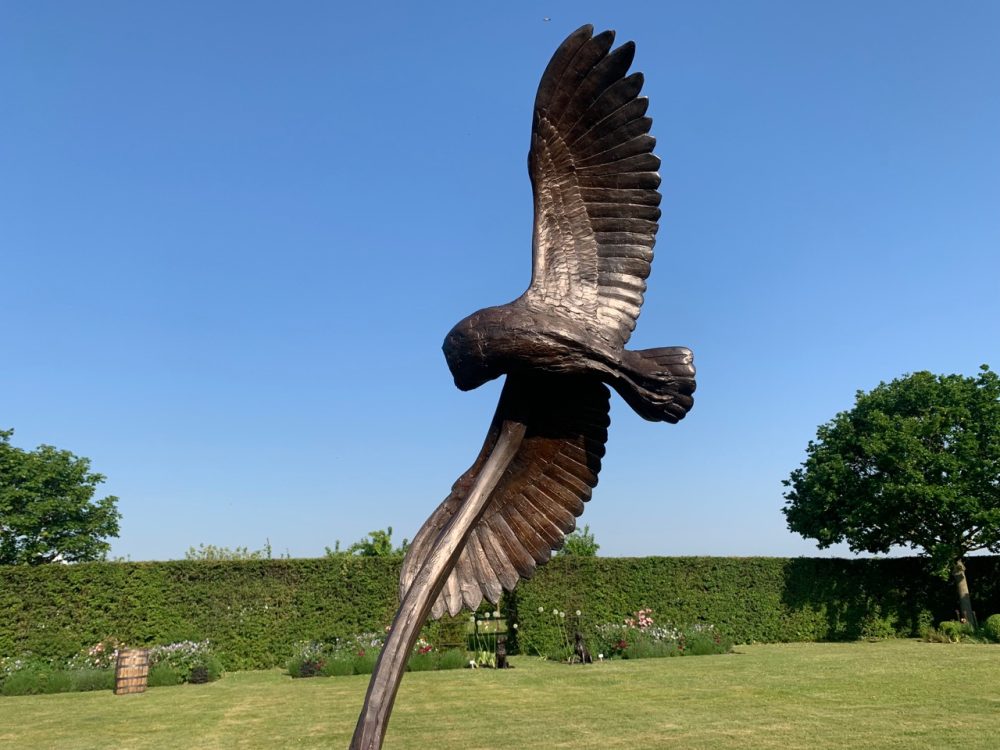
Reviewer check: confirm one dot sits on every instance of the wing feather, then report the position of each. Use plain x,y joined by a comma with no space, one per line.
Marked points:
594,176
537,500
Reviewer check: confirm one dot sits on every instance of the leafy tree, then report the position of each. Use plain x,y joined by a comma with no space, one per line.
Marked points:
47,512
915,463
378,543
580,543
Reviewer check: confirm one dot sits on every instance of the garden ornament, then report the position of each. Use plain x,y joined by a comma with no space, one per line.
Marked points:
560,344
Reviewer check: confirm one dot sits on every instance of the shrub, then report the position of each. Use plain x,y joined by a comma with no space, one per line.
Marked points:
59,681
704,641
27,681
991,628
647,648
93,679
956,631
423,662
874,627
364,662
163,675
338,666
299,666
187,658
453,658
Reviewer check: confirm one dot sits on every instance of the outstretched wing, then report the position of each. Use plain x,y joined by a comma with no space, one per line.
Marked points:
537,500
595,182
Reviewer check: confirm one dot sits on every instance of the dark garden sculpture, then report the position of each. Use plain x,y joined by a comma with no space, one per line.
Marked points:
560,344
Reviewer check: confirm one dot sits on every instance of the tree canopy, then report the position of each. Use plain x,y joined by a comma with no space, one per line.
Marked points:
378,543
915,463
47,511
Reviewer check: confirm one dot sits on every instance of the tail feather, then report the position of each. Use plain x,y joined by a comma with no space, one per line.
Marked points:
658,383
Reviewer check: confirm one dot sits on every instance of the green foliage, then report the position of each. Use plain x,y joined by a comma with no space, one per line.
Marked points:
254,611
47,512
338,666
580,543
40,679
452,658
422,662
378,543
915,463
192,661
32,681
212,553
955,630
365,663
747,599
991,628
93,679
163,675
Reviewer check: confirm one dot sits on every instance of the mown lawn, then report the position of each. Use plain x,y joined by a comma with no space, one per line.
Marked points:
894,694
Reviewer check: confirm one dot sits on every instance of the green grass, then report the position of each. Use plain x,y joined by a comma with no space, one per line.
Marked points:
894,694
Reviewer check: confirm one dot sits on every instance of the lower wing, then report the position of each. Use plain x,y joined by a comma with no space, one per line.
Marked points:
539,497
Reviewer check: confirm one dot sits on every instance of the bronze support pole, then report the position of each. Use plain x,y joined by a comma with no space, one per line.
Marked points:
417,603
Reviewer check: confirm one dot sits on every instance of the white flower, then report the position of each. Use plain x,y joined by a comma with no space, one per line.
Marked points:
487,615
472,619
515,626
541,609
496,613
600,657
562,615
578,613
555,612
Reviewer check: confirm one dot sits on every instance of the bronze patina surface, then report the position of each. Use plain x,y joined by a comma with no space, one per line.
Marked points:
560,344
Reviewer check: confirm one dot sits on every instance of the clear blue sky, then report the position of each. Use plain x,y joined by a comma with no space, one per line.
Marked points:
234,234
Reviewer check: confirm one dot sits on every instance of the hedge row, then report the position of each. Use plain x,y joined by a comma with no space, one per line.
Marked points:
255,611
749,599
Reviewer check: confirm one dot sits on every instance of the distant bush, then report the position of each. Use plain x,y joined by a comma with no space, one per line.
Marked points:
29,681
93,679
991,628
422,662
338,666
452,659
956,631
163,675
192,661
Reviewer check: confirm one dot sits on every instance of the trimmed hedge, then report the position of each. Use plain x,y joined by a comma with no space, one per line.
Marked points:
255,611
749,599
252,611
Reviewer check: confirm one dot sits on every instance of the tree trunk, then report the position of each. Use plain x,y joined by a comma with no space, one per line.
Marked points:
964,600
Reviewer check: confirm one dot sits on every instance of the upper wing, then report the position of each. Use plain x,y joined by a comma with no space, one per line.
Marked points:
595,185
538,498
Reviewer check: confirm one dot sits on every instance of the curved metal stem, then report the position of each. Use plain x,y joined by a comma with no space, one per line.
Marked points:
417,603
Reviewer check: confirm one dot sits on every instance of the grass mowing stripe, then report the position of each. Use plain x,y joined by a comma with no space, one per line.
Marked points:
893,694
